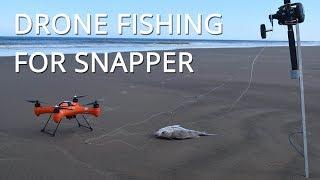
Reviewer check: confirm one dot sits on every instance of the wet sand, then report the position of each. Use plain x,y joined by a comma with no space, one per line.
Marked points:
252,122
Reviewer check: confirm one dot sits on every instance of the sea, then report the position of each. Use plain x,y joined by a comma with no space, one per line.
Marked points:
68,45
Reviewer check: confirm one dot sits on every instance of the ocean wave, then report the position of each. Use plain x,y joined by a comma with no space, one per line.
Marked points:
10,45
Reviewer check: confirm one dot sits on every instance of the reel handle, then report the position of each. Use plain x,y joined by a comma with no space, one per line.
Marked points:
263,31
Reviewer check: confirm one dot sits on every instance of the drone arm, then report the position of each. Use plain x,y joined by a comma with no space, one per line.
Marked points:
93,111
57,117
43,110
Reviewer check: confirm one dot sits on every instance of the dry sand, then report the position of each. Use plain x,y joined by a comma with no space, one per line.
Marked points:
252,140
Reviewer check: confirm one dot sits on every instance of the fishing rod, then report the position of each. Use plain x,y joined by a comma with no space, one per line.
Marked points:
292,14
289,14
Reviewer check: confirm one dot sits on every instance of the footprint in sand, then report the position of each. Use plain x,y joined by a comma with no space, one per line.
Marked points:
123,92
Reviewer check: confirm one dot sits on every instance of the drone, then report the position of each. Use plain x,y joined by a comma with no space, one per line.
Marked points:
68,110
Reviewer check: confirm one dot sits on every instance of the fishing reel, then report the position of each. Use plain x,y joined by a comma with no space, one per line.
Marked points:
288,14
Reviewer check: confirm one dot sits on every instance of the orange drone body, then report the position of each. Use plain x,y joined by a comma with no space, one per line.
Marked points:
73,110
67,109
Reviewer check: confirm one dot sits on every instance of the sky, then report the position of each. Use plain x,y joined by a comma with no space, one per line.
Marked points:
241,19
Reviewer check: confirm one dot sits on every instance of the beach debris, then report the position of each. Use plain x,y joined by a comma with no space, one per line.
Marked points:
178,132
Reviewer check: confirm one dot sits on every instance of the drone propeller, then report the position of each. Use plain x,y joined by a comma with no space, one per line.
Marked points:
96,102
35,101
78,97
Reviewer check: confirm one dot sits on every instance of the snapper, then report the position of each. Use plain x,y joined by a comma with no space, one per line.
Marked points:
178,132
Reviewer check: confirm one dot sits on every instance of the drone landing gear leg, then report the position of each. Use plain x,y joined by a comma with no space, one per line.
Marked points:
85,126
50,133
43,129
54,132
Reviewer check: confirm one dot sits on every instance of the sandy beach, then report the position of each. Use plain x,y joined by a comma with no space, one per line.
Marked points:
252,120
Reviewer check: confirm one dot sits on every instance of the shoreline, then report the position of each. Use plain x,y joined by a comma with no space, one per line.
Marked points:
175,49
